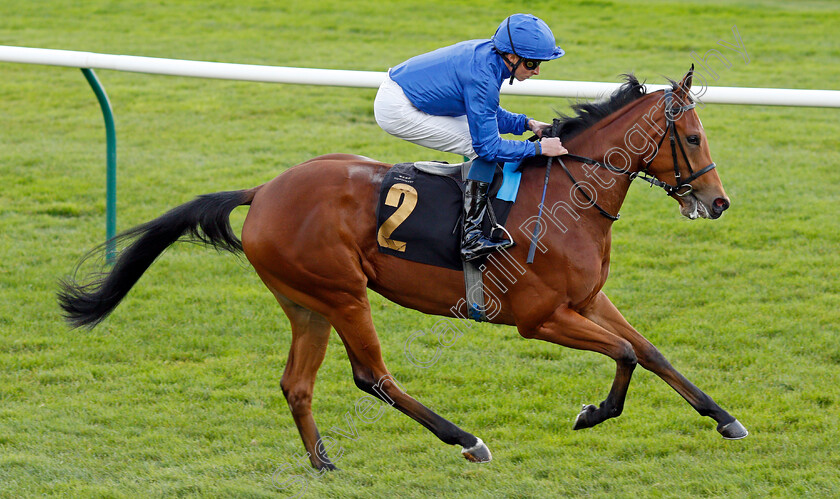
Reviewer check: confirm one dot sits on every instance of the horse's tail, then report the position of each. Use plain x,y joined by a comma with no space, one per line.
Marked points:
204,219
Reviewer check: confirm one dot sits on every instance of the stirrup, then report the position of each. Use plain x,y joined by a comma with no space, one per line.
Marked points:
502,228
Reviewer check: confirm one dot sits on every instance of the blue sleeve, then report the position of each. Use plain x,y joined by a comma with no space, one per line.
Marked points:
481,99
509,122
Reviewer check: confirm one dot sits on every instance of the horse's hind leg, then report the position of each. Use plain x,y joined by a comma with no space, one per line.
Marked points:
355,326
310,335
603,312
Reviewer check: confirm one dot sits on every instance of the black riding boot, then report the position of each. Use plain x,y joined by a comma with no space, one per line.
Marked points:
473,243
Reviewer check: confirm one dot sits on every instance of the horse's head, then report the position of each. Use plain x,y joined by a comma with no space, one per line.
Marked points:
683,160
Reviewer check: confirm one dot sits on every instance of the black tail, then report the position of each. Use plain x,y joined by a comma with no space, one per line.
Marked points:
204,219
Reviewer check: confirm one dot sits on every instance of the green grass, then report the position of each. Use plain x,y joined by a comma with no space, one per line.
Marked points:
177,394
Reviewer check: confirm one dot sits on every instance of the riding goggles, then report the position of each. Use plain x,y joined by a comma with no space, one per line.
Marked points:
531,64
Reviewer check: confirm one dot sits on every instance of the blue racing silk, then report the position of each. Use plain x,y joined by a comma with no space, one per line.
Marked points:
464,79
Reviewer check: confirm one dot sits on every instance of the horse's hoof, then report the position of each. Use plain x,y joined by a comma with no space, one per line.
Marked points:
478,453
582,420
327,467
733,431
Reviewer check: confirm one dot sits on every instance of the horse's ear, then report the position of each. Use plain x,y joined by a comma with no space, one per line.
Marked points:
685,84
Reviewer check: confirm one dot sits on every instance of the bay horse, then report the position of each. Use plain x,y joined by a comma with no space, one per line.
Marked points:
311,235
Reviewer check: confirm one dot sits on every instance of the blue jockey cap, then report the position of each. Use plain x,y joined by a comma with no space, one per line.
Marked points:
528,37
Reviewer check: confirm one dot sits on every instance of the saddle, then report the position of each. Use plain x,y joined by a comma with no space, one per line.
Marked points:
420,209
459,170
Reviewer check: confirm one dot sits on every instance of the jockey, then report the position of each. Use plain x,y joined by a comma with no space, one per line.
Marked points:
448,100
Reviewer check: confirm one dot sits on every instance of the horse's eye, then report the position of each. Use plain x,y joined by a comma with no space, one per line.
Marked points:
693,139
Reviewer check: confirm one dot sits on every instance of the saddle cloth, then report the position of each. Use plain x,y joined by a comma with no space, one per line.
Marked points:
419,215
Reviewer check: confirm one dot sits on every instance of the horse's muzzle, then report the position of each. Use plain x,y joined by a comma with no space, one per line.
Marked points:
719,206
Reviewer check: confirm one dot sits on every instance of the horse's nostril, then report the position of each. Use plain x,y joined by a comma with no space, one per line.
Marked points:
721,204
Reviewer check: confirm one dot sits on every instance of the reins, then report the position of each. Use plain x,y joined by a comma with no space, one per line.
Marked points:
583,191
533,247
671,117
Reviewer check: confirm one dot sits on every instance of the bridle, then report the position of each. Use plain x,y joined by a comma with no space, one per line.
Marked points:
672,114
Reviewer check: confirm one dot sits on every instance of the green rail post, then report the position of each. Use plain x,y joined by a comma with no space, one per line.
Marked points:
111,165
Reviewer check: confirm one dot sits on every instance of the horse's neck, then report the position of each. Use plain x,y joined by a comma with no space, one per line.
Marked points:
605,142
604,188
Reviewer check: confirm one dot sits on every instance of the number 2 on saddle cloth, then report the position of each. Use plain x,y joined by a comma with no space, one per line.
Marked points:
419,215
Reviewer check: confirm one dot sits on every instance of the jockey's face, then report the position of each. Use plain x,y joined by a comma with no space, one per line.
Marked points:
522,73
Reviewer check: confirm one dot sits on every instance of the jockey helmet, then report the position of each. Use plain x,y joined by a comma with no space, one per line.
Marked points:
527,37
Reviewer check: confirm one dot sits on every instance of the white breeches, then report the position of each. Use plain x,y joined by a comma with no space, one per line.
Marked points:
398,116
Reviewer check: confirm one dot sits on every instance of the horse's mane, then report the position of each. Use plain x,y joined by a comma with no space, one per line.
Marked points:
589,113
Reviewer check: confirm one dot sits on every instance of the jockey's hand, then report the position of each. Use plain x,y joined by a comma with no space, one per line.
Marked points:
537,127
551,146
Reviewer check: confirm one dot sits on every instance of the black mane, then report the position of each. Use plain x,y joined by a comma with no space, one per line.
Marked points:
589,113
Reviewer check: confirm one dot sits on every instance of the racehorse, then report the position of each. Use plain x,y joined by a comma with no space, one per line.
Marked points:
311,235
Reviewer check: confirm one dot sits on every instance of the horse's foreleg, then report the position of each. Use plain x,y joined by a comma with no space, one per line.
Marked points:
310,335
603,312
568,328
355,326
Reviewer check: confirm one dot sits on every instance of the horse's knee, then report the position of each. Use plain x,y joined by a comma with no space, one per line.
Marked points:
626,355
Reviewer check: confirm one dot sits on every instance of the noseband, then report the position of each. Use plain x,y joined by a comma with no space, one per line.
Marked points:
672,114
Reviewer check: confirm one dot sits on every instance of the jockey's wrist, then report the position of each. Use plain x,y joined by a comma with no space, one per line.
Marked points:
537,148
